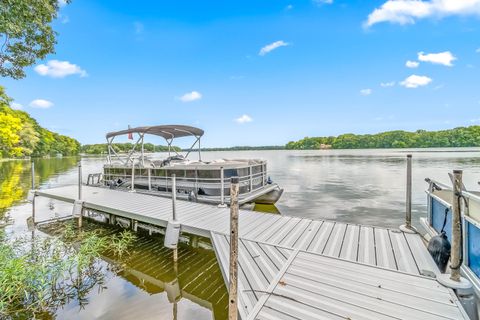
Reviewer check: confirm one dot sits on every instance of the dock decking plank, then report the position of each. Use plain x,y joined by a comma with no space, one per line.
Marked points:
318,243
350,243
306,238
403,255
290,239
424,261
335,241
384,250
366,246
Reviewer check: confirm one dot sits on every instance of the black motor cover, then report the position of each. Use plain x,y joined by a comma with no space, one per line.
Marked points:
439,248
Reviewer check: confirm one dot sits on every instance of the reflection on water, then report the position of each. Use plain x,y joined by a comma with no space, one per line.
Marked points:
151,285
15,178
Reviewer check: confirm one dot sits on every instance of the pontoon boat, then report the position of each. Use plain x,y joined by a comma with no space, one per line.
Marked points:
196,180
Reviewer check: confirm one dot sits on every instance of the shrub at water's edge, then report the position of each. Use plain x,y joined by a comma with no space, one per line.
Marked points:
458,137
22,136
42,274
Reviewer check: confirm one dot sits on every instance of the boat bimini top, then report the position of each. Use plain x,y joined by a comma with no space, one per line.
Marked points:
168,132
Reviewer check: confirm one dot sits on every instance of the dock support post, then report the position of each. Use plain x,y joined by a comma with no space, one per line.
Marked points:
132,184
172,234
149,179
175,255
232,301
407,227
31,195
222,189
454,280
250,172
80,193
456,259
174,197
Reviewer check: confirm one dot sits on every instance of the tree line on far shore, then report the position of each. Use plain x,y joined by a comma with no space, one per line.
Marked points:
457,137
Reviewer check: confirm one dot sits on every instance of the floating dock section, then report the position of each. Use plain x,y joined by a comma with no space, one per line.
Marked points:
297,268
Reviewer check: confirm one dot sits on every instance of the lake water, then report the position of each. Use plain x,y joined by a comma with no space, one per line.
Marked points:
357,186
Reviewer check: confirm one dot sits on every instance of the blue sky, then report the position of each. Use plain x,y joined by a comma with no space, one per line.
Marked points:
326,68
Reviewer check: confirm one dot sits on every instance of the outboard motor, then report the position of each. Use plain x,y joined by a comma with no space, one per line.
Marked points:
439,248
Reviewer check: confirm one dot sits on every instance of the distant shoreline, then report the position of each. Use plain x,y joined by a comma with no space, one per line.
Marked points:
401,150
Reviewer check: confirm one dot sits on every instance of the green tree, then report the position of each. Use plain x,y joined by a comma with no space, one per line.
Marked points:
21,135
457,137
26,34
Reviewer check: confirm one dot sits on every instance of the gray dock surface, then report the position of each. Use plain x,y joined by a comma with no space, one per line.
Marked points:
305,252
281,283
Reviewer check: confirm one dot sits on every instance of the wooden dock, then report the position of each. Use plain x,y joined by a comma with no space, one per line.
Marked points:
296,268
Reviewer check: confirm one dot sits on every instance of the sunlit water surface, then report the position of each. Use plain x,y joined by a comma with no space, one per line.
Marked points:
355,186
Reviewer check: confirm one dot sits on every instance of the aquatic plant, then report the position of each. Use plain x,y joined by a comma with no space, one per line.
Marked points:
119,245
39,274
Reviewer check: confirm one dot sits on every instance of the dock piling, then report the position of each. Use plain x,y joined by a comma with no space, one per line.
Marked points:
407,227
222,189
232,301
80,193
149,179
454,280
456,227
132,185
174,197
172,234
32,193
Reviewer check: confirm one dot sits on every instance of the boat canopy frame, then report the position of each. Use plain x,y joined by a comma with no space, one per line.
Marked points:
168,132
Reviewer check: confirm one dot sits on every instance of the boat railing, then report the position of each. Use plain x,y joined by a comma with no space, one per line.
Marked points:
252,181
470,198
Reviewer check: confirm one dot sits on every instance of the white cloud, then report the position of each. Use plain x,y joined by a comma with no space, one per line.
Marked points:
272,46
244,119
16,106
444,58
478,50
411,64
138,26
366,92
475,120
191,96
289,7
59,69
41,104
408,11
387,84
415,81
320,2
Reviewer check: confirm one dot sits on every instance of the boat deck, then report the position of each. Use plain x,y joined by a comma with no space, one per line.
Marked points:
302,251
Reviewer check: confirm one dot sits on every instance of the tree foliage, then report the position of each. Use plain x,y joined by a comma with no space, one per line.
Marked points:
26,34
457,137
21,135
